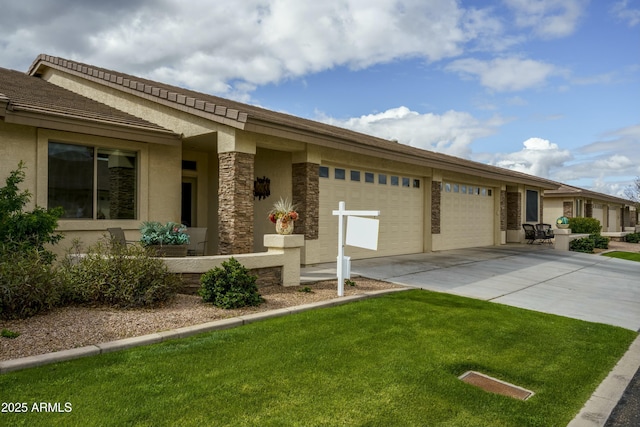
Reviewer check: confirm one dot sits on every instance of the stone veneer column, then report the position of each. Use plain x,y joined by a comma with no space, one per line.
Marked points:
588,210
503,210
436,194
235,198
567,209
514,210
306,197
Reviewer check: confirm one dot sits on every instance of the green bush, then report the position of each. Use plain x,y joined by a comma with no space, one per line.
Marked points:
582,245
584,225
116,275
600,242
633,238
28,284
230,286
23,231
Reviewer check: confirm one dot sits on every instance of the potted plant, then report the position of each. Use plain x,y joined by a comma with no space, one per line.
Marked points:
169,240
283,215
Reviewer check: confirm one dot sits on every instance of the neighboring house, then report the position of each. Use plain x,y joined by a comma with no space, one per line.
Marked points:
614,213
428,201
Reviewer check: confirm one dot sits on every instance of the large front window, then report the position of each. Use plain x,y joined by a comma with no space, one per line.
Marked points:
532,206
92,183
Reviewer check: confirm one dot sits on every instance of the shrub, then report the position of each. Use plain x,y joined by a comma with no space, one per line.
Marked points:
633,238
584,225
28,284
599,242
171,233
230,286
117,275
582,245
22,231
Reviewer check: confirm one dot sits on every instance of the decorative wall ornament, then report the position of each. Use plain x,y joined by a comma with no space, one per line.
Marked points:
261,188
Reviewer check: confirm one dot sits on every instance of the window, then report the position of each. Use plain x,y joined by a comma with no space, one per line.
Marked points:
92,183
447,187
532,206
368,177
382,179
355,175
405,182
416,183
189,165
463,189
339,173
456,188
323,172
394,180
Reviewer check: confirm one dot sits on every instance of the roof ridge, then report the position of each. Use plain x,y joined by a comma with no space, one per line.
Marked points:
141,85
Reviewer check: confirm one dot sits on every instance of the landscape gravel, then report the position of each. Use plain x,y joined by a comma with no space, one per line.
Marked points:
72,327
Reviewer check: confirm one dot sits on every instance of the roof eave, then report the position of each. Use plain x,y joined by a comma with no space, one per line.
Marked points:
27,117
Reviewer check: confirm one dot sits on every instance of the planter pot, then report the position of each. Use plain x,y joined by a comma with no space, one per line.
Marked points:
168,250
563,226
284,227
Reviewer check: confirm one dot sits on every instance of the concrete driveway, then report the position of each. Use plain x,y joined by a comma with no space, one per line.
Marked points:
536,277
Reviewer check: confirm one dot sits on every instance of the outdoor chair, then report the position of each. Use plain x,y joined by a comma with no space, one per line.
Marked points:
545,231
537,232
117,236
197,241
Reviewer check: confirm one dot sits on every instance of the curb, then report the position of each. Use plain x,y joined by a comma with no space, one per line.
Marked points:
186,331
598,408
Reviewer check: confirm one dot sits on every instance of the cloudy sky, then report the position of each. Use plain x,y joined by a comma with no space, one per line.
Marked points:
547,87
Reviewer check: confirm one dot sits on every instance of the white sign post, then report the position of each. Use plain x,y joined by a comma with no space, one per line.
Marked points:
364,234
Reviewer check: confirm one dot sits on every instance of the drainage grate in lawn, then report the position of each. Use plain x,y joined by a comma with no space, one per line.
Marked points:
494,385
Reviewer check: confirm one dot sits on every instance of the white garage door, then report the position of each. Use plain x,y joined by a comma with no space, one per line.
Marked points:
398,198
467,216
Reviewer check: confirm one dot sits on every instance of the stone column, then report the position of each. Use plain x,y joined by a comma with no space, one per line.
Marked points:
435,206
503,210
514,211
235,202
306,197
588,210
567,209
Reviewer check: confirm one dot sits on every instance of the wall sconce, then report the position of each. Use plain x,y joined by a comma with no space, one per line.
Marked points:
261,188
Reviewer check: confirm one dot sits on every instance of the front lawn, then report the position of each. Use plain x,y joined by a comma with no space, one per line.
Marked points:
388,361
631,256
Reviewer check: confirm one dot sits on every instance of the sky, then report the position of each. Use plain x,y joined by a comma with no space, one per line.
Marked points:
546,87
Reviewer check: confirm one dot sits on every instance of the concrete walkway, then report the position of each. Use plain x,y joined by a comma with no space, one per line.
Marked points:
535,277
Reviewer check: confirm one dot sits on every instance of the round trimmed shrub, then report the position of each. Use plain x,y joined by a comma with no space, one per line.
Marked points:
633,238
230,286
585,245
582,225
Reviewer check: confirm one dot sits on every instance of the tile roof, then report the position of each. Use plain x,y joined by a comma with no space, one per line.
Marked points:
22,92
565,190
253,118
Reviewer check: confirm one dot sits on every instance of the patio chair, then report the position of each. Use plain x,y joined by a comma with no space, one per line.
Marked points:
545,232
531,233
117,236
197,241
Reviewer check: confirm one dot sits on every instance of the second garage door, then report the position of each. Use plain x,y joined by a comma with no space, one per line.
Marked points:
467,216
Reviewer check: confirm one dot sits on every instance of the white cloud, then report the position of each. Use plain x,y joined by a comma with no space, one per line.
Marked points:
505,74
451,132
539,157
624,12
548,18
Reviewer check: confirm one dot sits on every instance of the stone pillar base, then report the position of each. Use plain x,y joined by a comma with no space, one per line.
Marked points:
289,246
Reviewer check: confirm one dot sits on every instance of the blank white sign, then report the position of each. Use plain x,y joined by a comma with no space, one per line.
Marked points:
362,232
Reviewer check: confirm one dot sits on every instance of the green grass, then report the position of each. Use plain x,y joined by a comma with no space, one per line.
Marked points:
388,361
631,256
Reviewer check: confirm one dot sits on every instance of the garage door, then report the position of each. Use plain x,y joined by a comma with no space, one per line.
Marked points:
467,216
398,198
